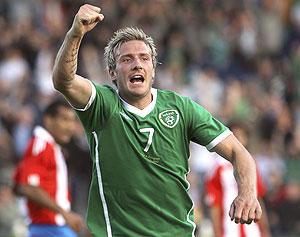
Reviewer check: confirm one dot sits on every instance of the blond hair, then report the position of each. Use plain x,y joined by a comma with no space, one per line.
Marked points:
124,35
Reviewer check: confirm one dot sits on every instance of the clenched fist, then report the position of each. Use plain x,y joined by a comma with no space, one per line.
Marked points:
245,209
86,19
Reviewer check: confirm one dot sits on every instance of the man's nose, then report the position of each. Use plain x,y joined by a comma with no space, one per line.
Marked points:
137,64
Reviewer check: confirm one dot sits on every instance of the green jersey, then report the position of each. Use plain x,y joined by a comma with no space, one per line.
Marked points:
140,162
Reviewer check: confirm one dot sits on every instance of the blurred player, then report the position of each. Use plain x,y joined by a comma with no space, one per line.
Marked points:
139,139
41,176
221,188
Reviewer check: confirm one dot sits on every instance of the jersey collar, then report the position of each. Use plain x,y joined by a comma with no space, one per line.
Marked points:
43,134
141,112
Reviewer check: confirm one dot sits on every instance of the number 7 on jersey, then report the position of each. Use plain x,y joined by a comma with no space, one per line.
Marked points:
150,137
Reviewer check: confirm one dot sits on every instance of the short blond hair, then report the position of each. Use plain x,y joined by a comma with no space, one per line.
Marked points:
124,35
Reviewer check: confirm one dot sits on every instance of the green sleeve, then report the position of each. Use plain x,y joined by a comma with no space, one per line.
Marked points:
100,110
203,128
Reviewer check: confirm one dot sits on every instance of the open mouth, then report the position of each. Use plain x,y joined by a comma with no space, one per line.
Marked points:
137,79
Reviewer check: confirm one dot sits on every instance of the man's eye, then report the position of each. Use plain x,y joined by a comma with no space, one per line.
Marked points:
125,59
145,58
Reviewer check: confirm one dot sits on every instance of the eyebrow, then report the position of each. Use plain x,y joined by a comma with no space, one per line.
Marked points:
130,55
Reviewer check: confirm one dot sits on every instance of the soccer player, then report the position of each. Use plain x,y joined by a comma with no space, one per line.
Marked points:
41,176
221,188
139,139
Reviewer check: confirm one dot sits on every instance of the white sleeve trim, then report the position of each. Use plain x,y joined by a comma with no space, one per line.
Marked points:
218,139
91,99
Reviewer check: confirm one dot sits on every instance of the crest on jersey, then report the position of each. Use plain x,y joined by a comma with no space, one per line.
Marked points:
169,118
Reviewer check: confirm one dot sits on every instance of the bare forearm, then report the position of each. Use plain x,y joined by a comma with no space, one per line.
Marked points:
244,172
243,163
41,198
76,89
245,207
215,213
65,66
38,196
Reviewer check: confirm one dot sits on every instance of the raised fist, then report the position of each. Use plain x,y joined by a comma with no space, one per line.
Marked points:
86,19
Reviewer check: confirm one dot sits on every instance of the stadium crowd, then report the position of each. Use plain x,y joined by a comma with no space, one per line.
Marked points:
239,59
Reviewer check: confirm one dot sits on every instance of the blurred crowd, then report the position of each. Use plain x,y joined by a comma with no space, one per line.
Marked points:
239,59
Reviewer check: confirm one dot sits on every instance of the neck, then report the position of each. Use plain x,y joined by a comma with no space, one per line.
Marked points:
138,102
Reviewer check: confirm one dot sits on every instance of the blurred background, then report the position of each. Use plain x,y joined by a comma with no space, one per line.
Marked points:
239,59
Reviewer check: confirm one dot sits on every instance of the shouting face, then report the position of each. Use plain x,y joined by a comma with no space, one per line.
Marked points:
134,73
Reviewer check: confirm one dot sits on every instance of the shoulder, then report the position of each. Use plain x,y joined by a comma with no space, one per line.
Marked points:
168,93
41,142
172,96
105,94
105,89
101,97
183,104
40,153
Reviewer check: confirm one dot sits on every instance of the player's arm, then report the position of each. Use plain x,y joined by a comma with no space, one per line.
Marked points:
41,198
213,199
216,219
264,223
74,87
245,207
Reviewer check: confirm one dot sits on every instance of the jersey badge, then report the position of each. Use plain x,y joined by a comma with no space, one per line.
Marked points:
169,118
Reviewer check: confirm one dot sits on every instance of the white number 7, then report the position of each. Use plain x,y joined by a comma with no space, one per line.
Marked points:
150,131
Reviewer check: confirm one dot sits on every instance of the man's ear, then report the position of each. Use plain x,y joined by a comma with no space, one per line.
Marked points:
112,74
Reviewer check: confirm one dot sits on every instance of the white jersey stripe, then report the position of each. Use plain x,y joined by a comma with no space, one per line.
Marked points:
101,192
192,208
62,184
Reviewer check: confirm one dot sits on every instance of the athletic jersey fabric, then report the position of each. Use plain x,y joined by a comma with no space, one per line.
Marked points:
140,162
43,165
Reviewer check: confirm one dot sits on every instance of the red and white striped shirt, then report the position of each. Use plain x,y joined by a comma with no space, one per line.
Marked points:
221,189
43,165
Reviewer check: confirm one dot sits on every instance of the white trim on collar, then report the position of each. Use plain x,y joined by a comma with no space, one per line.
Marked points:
141,112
